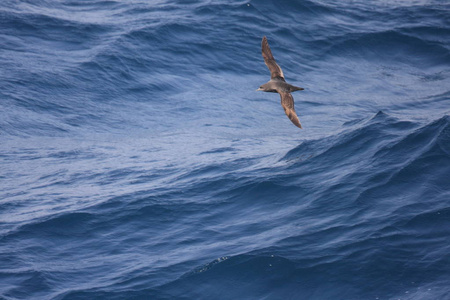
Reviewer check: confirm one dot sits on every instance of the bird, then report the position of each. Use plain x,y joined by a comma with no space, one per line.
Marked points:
277,84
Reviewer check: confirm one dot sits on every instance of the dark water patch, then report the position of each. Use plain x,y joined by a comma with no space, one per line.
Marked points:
431,33
290,9
32,282
70,225
419,140
340,148
255,273
218,150
390,46
47,28
105,4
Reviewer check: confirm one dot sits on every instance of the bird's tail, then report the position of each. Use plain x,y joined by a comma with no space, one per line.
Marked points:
296,88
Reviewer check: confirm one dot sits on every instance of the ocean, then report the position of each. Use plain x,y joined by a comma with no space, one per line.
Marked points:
138,161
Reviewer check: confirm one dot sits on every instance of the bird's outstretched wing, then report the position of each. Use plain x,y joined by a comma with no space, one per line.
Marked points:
287,101
275,70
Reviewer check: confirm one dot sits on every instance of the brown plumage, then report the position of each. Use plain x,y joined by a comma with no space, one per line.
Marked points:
287,101
278,84
274,68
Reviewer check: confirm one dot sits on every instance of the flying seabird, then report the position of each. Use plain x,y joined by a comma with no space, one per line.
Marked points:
277,84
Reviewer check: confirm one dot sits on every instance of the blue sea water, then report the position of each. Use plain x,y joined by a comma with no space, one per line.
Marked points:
137,161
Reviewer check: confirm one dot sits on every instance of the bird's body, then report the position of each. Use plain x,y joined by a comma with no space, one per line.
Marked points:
278,84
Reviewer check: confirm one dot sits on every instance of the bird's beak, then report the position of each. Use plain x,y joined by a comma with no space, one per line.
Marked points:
259,89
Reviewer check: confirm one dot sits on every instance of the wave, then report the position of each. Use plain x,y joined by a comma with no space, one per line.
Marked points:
338,207
344,221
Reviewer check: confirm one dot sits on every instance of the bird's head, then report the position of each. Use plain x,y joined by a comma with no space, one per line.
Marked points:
263,88
267,87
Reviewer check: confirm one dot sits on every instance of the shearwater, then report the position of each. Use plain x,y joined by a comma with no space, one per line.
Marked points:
277,84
